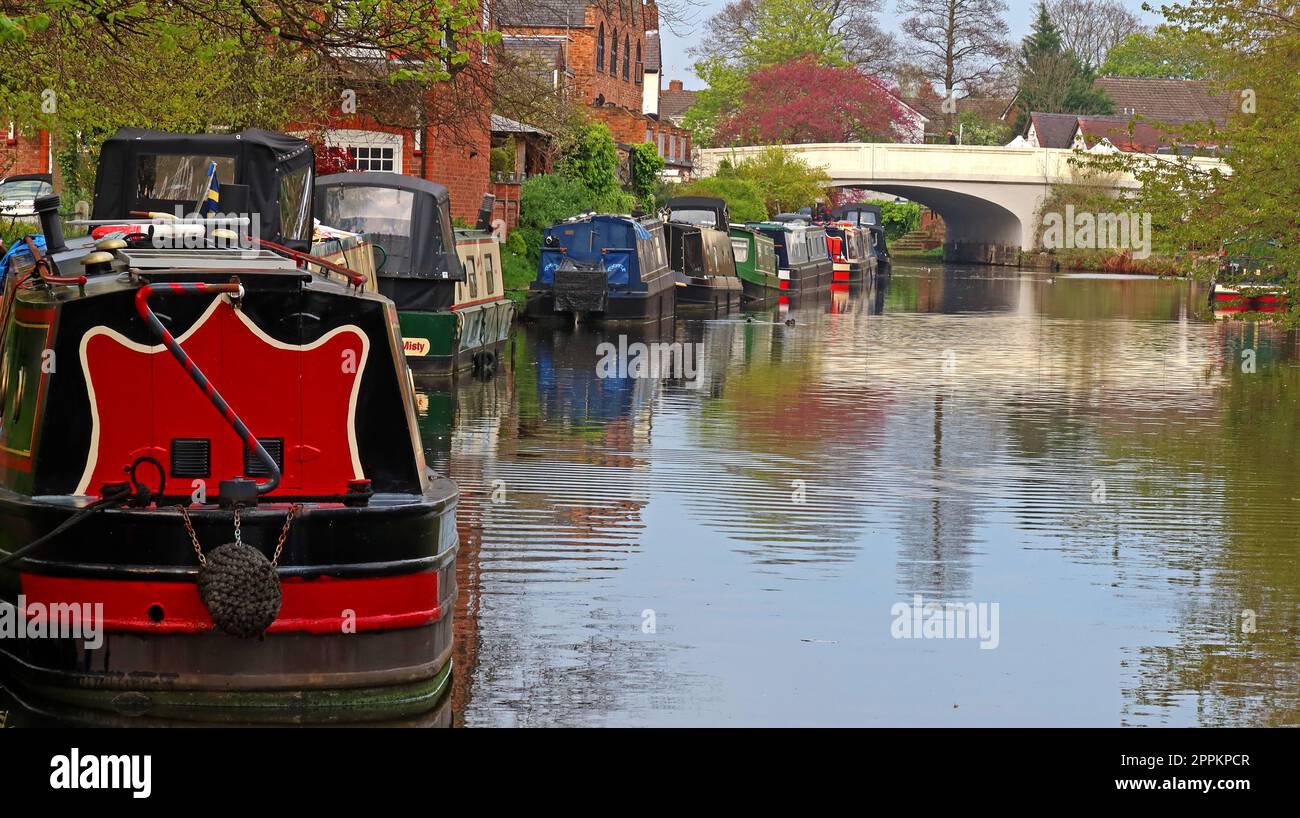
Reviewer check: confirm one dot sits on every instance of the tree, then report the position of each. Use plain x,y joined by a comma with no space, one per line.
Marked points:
1195,210
1165,52
959,45
88,67
783,179
802,101
758,32
744,202
1052,79
645,165
749,35
1091,28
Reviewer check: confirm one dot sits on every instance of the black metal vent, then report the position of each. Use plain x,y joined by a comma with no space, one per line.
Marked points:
274,446
191,457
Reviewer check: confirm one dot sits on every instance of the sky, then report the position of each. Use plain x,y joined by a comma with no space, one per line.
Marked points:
677,62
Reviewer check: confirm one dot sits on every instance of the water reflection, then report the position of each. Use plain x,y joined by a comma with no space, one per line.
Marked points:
1085,451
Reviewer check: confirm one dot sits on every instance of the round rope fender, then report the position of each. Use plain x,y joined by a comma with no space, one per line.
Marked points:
241,589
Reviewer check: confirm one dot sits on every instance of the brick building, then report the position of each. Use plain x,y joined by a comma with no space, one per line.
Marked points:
24,152
611,52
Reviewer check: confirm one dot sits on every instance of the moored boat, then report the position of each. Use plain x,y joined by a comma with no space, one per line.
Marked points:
755,257
446,284
803,261
1248,280
603,267
700,254
209,460
849,253
870,218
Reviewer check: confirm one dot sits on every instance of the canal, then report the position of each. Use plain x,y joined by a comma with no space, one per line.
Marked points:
1097,466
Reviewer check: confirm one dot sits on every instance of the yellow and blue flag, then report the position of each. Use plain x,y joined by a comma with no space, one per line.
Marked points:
211,199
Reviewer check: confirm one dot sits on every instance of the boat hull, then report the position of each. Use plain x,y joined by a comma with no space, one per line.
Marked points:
364,630
468,337
716,293
643,307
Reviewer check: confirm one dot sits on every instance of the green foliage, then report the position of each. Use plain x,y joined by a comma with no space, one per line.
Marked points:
502,159
978,131
784,180
1197,209
592,159
742,197
1165,52
722,96
899,218
645,165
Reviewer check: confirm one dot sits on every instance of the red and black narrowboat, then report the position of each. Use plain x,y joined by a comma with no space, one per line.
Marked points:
869,218
1248,280
215,448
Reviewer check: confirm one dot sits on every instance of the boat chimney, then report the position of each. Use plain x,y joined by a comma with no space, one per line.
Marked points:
47,208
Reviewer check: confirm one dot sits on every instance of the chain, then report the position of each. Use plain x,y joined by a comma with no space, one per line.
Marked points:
194,538
294,510
284,532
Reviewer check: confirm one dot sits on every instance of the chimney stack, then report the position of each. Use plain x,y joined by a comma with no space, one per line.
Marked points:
674,85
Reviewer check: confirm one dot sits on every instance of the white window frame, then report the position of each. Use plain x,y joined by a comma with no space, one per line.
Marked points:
371,140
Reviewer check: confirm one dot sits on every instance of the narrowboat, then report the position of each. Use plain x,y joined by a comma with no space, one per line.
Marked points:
1247,280
868,217
699,252
603,267
209,452
802,259
847,244
447,286
755,257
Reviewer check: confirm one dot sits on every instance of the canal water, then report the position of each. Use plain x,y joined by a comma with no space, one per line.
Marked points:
1104,472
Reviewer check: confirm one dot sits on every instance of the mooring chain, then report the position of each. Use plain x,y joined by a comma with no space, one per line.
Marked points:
279,543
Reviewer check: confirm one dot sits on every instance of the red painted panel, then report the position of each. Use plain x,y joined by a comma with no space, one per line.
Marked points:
315,606
302,394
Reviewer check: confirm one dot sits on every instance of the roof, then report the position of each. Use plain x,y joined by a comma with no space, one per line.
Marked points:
672,104
503,124
546,49
1168,100
557,13
381,178
1125,133
650,57
1054,130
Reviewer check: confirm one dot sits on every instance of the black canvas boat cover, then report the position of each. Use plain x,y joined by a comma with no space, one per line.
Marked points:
410,220
145,170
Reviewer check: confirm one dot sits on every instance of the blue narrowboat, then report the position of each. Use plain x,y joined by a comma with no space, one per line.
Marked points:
606,267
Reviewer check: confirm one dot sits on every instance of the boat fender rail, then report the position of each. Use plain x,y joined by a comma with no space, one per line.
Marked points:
111,496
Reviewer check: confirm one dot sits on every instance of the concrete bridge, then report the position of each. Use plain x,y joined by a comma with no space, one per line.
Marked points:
988,196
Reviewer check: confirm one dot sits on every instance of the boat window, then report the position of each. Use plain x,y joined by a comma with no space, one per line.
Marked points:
699,218
23,189
740,249
178,178
364,209
817,249
796,250
295,204
489,274
471,276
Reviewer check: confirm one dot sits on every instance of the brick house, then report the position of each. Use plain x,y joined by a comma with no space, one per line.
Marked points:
24,152
611,54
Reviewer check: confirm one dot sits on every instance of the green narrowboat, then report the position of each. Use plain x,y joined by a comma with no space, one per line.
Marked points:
755,263
447,285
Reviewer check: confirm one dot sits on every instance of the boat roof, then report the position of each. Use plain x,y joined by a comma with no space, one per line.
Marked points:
710,202
388,179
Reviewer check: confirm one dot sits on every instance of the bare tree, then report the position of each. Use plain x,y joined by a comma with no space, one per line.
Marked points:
853,22
961,45
1091,28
